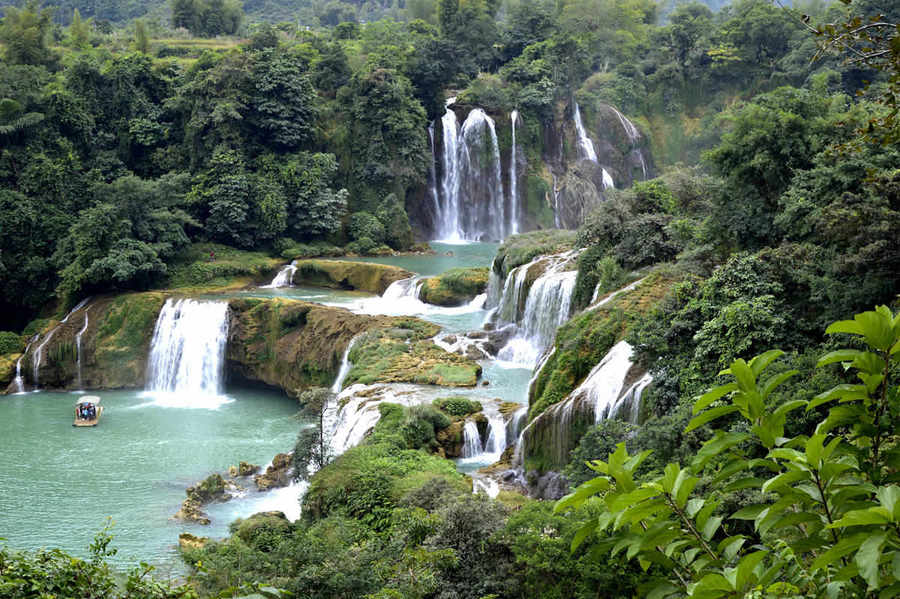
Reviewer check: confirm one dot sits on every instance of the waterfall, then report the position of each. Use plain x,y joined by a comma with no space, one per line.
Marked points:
603,386
586,150
19,381
433,175
284,278
448,215
585,144
472,203
511,300
404,288
78,347
344,370
628,406
36,358
354,420
471,440
514,426
513,178
482,179
187,352
634,136
548,305
496,441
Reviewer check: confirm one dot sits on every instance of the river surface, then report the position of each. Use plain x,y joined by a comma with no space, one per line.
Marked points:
58,484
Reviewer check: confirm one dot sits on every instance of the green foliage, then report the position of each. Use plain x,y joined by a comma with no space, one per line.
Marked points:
11,343
825,524
457,406
25,32
54,573
363,225
207,17
392,215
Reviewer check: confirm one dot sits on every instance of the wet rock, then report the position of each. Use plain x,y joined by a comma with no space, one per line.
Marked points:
212,488
550,485
276,475
243,469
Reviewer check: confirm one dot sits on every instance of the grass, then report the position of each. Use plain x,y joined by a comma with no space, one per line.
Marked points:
525,247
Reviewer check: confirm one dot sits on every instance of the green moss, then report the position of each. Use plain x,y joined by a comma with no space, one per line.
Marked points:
344,274
457,406
523,248
7,369
11,342
405,353
583,341
455,287
124,329
38,325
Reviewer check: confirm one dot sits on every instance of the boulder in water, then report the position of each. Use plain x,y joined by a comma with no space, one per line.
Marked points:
276,475
187,541
243,469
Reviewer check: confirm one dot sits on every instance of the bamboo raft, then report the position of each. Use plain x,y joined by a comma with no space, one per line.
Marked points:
88,411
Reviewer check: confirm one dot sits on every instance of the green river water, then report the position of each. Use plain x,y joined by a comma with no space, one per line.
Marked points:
59,484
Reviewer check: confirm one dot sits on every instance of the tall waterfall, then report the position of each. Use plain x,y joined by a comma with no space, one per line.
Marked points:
472,204
432,173
78,337
514,178
187,352
586,149
448,216
471,441
496,441
603,386
547,306
634,136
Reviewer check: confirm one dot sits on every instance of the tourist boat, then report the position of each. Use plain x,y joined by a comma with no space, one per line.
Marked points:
87,411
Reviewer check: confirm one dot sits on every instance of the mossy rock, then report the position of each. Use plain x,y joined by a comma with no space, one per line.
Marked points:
291,344
227,268
523,248
457,406
344,274
8,369
455,287
262,526
382,357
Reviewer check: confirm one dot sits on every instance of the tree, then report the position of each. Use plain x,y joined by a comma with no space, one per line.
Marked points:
24,33
141,40
79,31
828,506
313,450
282,107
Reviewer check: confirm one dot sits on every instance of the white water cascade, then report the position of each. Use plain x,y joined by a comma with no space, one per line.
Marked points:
78,337
496,441
472,204
603,386
284,278
19,381
514,178
38,355
514,426
344,370
187,353
472,446
586,149
432,173
548,305
447,224
634,136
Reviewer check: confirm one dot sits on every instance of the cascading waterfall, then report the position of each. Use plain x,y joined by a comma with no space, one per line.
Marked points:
634,136
344,370
603,386
472,446
496,441
284,278
485,219
472,204
404,288
548,305
513,178
448,213
514,426
78,337
187,352
628,407
19,381
38,355
586,149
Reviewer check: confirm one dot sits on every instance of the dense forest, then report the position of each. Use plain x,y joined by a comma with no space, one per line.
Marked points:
136,139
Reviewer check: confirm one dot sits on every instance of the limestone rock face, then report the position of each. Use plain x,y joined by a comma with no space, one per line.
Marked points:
276,475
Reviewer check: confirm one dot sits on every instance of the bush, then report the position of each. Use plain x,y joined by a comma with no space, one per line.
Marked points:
596,444
392,215
361,246
11,343
457,406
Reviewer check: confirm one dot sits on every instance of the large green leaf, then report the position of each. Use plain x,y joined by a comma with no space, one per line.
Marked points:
868,557
709,416
713,395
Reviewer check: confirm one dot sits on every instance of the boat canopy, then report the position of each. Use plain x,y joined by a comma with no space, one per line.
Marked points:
92,399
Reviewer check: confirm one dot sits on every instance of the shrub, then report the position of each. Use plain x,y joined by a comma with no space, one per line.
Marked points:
364,225
11,343
457,406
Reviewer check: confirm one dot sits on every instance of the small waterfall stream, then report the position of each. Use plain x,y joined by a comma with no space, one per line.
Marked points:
472,446
78,337
19,381
586,149
187,352
634,136
38,355
284,278
514,178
